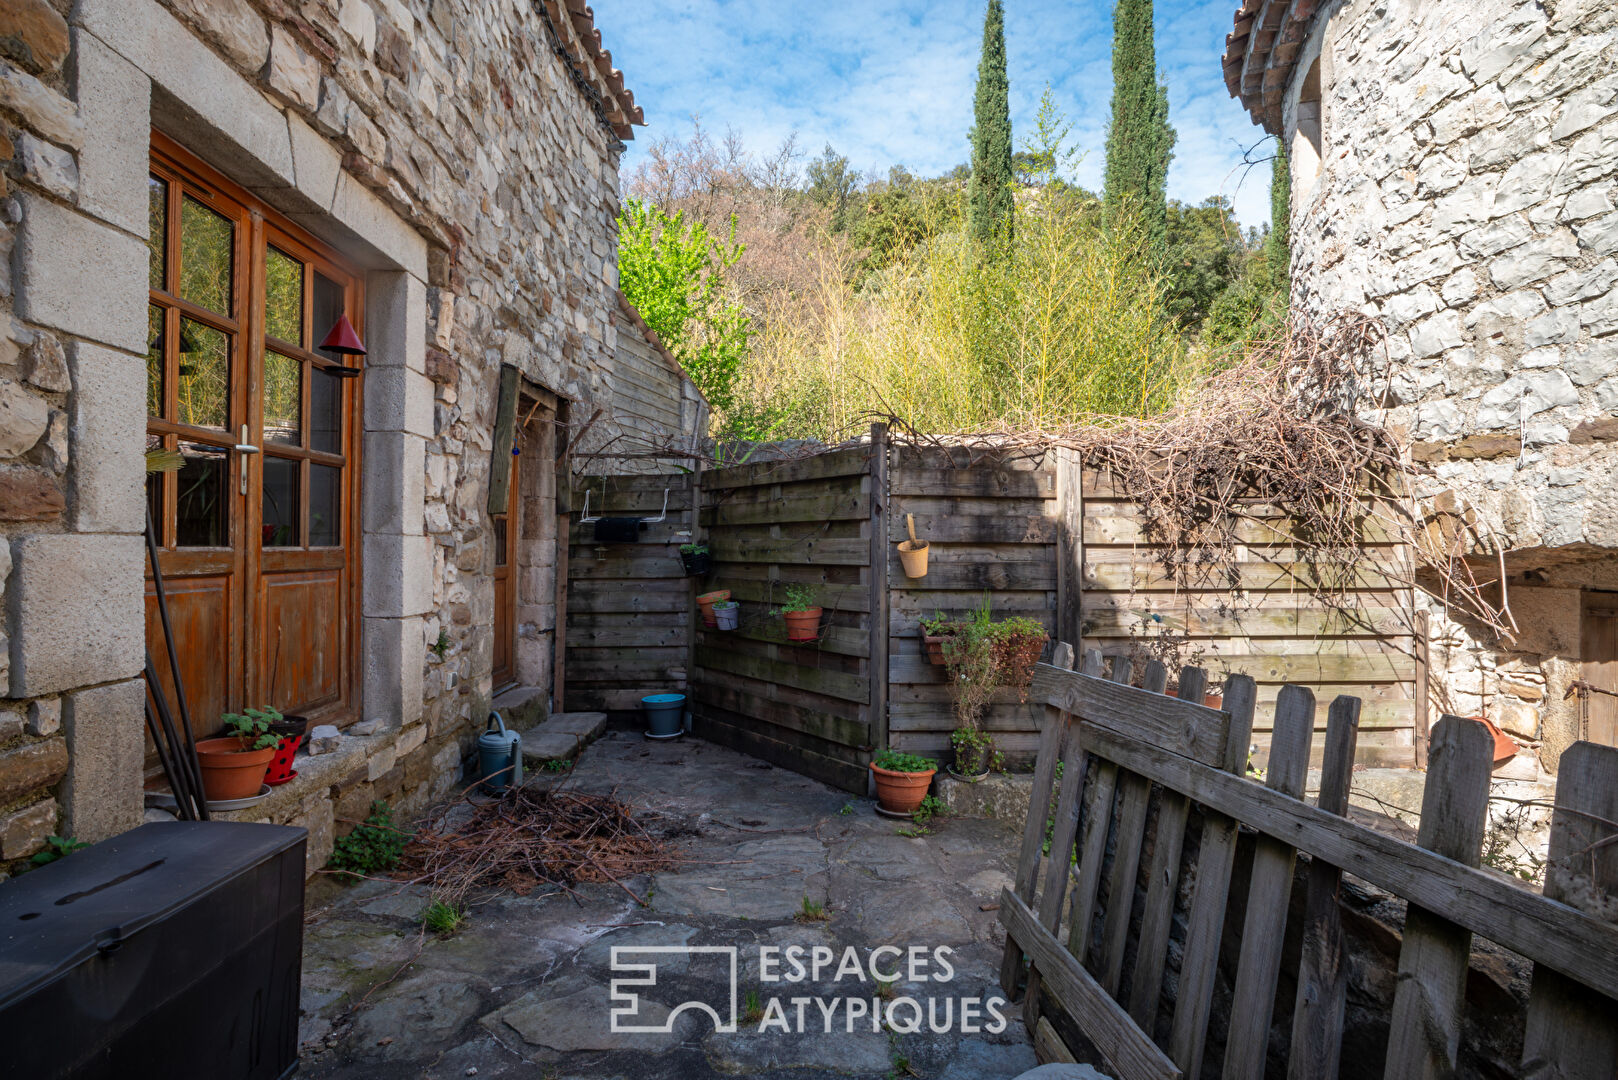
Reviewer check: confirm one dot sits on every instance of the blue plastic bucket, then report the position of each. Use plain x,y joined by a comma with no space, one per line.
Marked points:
664,714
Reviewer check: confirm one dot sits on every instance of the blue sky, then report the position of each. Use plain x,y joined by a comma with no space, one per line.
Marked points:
890,81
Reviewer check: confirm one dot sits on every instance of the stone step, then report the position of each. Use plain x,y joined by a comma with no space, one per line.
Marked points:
561,737
523,707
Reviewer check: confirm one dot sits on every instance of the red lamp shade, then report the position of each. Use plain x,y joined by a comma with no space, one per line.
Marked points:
343,339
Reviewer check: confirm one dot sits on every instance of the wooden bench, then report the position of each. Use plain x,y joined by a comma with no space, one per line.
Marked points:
1074,916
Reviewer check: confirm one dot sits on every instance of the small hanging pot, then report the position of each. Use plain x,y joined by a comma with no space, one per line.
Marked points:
727,614
705,603
697,562
913,552
803,625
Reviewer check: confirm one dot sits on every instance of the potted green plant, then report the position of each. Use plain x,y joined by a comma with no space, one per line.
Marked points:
902,780
1018,643
934,632
801,613
970,662
705,604
727,614
975,754
695,559
234,765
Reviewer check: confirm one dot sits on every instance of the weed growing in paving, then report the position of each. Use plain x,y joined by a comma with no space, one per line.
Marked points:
442,919
812,911
372,847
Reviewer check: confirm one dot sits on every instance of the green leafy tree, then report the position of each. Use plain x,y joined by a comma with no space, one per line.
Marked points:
1206,253
991,198
1278,246
673,271
1140,141
832,184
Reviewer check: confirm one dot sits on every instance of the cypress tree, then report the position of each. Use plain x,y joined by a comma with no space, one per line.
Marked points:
1139,138
1278,246
990,192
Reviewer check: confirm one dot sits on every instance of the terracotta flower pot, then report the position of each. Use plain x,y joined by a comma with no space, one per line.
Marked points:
228,771
1214,701
935,648
901,792
705,603
803,625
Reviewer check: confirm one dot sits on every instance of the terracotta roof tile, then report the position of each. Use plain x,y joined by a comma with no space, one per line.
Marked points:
1260,53
617,100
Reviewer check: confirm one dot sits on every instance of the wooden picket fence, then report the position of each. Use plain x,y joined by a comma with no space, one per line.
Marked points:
1069,938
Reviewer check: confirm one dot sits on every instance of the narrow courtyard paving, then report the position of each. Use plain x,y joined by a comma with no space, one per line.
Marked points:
523,988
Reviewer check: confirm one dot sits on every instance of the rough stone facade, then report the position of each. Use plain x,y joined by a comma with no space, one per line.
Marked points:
1455,174
465,156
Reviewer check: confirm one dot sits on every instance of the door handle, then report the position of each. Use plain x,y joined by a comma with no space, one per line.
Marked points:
244,448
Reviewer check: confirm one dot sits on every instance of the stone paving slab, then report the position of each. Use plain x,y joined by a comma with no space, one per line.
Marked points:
524,989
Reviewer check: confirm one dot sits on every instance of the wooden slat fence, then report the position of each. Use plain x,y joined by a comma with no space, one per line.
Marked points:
1271,628
1040,538
991,530
771,524
1090,938
628,633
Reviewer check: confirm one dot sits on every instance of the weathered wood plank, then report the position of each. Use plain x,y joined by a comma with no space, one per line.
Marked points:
845,503
1125,1047
1424,1034
1113,522
1183,726
822,552
1317,1013
881,595
990,573
976,528
1264,925
1215,860
1069,553
1145,575
775,713
738,734
850,462
1208,621
1049,1047
1538,928
649,597
1355,667
1051,736
758,625
983,481
1572,1034
1157,917
911,716
583,637
1058,866
820,681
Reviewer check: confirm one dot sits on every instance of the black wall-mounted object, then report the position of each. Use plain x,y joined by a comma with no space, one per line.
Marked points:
172,950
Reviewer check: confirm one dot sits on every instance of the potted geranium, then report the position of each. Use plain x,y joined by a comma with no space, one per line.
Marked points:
801,613
695,559
234,765
902,780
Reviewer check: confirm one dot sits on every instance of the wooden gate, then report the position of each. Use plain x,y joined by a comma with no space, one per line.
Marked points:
1104,982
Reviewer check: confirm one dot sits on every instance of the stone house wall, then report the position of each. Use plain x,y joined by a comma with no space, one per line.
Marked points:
465,155
1466,194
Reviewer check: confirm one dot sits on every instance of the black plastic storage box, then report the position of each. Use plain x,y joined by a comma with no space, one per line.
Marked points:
172,950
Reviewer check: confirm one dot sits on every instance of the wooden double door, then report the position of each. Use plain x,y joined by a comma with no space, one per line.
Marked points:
257,527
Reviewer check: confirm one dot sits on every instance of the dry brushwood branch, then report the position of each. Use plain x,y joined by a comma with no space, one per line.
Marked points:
532,836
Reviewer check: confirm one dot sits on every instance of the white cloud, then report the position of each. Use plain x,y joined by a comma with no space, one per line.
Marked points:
891,82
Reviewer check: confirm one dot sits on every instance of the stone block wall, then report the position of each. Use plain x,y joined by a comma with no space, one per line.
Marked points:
1467,196
465,155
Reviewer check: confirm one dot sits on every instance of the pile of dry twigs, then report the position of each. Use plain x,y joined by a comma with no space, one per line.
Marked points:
533,837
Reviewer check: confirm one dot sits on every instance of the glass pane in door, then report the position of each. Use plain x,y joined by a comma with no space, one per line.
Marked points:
325,412
283,297
283,399
202,507
157,223
207,256
325,506
204,382
154,361
281,499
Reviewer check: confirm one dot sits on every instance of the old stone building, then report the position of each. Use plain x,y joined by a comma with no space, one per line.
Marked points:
442,173
1455,175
